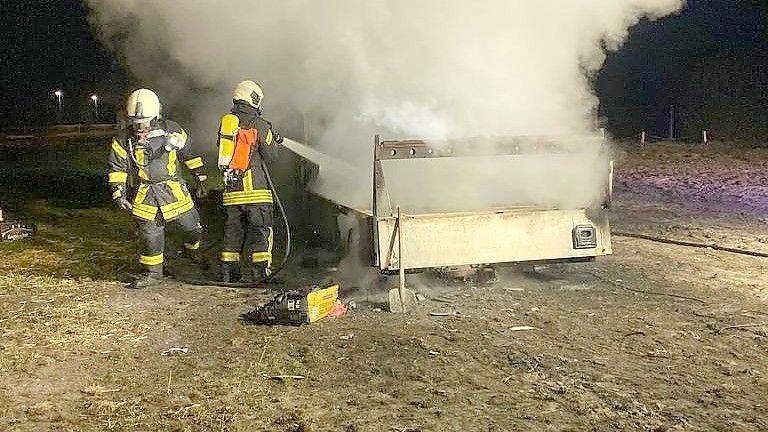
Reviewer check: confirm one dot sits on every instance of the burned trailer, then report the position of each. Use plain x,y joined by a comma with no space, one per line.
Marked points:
528,227
476,203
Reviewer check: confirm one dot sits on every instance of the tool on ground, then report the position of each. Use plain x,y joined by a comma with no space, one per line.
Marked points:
11,230
400,298
296,307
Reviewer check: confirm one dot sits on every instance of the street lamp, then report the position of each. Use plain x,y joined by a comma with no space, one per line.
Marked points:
59,94
95,100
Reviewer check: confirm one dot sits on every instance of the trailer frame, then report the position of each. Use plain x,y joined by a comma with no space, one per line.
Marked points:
486,237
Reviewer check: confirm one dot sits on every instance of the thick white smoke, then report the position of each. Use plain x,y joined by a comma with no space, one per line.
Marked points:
400,68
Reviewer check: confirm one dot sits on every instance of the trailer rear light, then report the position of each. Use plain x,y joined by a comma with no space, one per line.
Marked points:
584,237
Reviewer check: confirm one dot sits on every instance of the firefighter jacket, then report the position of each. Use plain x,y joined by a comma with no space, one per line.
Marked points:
153,162
246,184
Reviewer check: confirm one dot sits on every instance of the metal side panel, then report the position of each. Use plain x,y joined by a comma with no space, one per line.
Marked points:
444,240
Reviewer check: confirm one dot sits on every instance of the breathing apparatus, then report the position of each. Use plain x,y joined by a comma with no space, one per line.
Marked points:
286,253
143,109
251,94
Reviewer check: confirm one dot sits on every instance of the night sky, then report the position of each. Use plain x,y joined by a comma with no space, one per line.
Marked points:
710,63
48,44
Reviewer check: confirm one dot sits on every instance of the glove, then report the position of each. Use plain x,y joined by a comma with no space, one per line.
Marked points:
174,142
118,195
123,203
230,177
201,189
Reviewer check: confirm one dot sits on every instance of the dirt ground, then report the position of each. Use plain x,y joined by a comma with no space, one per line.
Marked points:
646,339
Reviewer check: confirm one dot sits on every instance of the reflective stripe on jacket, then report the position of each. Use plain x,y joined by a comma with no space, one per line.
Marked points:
250,185
171,198
158,170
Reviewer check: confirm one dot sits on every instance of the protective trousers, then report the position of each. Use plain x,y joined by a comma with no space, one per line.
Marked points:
255,220
152,234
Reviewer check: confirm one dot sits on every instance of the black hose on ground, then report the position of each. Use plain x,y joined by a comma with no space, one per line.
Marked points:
286,254
690,244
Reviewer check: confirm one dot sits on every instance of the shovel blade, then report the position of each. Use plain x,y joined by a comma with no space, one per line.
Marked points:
398,305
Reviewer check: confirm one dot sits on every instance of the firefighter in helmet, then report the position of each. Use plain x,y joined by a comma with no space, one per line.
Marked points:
147,154
245,140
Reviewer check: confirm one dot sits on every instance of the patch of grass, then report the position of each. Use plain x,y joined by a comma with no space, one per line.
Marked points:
56,314
59,186
95,244
14,280
85,155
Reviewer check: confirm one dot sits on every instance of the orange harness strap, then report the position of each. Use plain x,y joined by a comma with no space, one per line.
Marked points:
245,141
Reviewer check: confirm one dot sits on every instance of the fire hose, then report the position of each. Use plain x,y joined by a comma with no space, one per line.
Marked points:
286,254
288,240
691,244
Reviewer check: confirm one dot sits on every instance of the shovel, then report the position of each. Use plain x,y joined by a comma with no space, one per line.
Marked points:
400,298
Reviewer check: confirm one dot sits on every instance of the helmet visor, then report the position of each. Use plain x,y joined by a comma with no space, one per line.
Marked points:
141,123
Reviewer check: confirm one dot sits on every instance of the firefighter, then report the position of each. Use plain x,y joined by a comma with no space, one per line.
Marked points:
147,153
245,140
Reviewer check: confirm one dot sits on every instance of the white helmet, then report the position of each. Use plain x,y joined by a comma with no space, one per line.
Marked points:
250,93
142,106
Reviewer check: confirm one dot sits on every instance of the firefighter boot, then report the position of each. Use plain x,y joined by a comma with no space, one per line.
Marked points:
261,272
197,258
149,279
230,272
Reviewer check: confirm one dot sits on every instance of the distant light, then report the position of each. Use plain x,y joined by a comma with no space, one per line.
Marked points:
94,98
58,93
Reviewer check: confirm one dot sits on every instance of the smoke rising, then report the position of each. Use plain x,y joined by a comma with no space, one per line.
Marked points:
430,69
